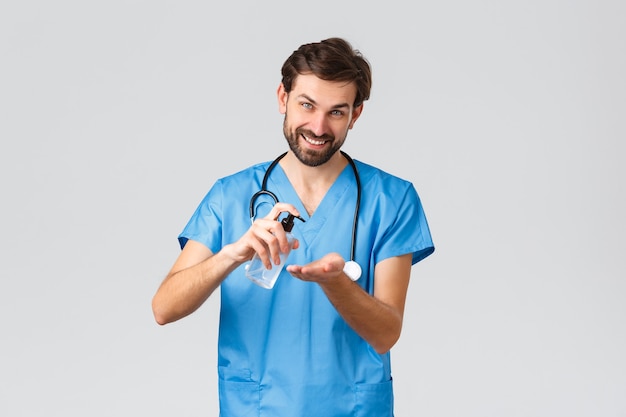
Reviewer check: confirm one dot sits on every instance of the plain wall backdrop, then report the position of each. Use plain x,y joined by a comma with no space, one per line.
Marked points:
509,117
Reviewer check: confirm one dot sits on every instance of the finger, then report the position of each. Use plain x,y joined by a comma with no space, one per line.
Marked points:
293,269
268,239
296,272
280,208
273,234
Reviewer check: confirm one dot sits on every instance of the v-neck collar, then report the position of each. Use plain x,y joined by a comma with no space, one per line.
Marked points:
282,187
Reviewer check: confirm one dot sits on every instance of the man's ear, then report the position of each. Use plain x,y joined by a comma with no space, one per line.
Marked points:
356,113
282,96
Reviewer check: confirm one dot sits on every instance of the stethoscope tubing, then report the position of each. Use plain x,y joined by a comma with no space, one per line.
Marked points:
265,191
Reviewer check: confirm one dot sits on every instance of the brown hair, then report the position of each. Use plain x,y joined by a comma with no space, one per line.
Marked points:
332,59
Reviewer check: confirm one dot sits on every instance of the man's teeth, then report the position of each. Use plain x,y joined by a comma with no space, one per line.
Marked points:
314,142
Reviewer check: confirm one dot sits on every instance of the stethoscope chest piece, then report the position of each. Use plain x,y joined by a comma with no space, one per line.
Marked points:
352,270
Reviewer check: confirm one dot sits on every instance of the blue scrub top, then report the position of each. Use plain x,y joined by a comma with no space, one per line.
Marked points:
286,351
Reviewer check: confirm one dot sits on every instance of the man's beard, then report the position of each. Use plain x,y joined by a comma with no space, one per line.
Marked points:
307,156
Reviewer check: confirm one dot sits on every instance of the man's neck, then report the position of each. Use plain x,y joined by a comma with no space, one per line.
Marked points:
312,183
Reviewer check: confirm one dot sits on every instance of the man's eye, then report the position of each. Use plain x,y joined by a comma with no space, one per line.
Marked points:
307,105
337,113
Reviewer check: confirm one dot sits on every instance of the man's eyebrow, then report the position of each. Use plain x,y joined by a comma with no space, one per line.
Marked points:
336,106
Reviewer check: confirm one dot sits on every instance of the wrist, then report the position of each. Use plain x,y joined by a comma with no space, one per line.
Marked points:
231,256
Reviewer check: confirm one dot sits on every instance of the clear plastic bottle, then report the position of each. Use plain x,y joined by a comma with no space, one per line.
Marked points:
257,272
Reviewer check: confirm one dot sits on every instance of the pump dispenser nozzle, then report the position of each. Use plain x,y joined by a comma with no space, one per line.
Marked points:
267,277
287,222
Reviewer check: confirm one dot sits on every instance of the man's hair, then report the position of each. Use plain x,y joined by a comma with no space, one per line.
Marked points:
332,59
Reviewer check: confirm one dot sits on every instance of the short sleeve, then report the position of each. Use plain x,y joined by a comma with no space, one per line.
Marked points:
205,225
408,231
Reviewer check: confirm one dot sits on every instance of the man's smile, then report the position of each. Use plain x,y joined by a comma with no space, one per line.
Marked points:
316,142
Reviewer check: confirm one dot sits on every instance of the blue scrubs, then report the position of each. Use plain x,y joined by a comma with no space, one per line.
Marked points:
286,351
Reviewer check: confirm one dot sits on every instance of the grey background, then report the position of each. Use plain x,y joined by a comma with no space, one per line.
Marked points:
116,117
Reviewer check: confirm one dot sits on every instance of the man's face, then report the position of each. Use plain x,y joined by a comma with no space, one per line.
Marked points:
318,115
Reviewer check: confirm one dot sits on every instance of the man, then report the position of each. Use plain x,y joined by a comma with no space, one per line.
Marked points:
317,343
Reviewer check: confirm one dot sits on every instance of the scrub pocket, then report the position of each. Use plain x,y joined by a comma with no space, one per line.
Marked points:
240,396
374,400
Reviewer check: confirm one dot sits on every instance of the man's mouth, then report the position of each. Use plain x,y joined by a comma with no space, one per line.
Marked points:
316,142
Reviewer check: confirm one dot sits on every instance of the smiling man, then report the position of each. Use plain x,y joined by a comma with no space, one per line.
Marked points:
317,343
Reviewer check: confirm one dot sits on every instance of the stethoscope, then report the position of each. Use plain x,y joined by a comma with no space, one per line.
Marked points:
352,269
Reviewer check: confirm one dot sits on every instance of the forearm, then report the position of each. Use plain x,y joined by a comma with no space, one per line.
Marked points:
184,291
198,272
376,322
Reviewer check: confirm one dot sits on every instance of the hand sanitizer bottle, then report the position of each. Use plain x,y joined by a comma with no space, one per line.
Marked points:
257,272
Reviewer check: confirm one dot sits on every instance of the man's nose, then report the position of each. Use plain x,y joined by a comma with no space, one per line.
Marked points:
319,124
